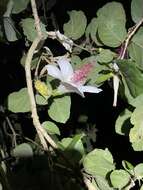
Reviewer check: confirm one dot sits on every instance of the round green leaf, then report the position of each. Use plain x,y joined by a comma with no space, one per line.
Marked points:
60,109
75,28
98,162
119,178
138,171
19,101
105,56
51,128
137,10
29,30
111,24
19,5
22,150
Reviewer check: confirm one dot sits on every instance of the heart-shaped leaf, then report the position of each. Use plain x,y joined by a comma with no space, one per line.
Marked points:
111,24
119,178
75,28
19,101
60,109
98,162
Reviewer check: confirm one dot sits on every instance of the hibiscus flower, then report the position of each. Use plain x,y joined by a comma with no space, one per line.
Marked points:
70,80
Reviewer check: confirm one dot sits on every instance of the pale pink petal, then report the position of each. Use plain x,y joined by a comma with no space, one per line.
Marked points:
66,68
91,89
54,72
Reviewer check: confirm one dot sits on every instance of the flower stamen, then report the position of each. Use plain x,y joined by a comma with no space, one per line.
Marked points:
80,75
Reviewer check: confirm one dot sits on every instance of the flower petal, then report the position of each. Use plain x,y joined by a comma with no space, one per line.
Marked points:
54,72
91,89
67,87
66,68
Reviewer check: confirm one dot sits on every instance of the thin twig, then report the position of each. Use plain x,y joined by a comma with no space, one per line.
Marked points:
40,130
36,18
14,134
130,35
30,90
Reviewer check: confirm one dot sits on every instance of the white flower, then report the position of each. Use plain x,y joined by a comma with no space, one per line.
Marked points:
71,81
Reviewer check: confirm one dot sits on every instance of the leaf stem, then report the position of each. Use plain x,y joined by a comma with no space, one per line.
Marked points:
130,35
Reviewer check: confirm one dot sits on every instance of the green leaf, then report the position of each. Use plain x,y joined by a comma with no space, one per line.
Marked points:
111,24
123,125
102,183
141,187
96,76
76,144
136,102
138,37
23,150
92,31
136,117
66,141
75,28
138,171
19,101
136,138
105,56
136,54
10,30
98,162
60,109
136,10
51,128
127,166
76,62
119,178
132,75
19,5
124,91
136,133
75,149
40,100
29,30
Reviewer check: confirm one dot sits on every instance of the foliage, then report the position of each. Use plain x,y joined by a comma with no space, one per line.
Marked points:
110,50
